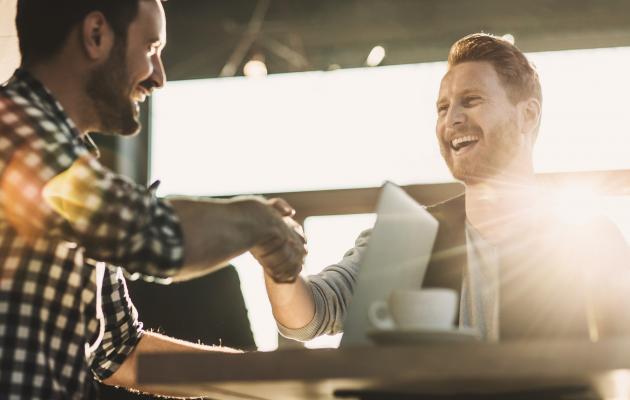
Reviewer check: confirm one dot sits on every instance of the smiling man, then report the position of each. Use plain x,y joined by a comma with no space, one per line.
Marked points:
522,272
67,222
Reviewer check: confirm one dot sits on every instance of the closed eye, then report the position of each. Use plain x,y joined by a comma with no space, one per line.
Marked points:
471,100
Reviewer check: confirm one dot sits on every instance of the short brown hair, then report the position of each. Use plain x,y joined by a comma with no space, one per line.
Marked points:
44,25
515,71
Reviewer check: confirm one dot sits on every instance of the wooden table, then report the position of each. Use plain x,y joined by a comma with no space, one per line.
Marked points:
541,370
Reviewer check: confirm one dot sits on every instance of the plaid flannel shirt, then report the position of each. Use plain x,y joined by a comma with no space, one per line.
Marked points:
60,210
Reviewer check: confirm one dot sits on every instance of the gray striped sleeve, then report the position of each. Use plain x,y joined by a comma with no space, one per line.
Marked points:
332,291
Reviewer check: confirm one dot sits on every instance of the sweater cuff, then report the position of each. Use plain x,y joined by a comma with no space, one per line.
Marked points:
310,330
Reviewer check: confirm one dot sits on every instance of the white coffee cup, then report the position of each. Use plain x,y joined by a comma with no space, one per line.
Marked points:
429,309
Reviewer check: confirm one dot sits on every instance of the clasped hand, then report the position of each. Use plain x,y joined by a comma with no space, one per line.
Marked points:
282,253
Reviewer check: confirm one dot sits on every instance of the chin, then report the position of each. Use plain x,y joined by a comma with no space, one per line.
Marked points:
131,128
469,180
467,176
129,121
126,124
463,178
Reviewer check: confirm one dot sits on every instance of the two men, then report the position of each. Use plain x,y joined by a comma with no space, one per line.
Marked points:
521,271
66,222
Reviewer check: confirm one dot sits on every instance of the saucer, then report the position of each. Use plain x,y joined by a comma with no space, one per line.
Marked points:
422,336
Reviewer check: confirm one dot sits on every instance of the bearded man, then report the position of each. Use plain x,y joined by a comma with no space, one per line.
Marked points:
66,221
521,272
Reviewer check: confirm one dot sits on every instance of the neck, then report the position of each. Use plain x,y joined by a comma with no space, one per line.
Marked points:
67,85
502,205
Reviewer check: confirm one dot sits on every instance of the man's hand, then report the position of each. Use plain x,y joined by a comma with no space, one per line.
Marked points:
217,230
281,253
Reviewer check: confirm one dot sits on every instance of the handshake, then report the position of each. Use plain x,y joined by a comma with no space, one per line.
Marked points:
282,247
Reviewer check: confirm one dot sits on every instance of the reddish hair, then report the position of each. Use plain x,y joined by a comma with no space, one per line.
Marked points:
517,74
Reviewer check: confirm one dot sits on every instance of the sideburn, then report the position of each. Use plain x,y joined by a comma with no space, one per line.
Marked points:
108,89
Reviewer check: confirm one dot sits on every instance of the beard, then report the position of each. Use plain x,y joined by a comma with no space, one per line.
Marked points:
108,87
491,156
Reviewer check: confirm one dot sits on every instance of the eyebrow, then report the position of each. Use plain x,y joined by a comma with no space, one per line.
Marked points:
469,91
464,93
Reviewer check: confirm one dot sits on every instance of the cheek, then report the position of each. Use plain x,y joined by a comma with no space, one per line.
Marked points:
140,68
439,128
145,68
490,117
484,121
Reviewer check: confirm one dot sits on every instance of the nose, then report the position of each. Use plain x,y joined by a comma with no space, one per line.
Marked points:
158,77
455,116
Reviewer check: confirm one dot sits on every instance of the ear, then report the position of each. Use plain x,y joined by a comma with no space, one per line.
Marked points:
530,111
97,36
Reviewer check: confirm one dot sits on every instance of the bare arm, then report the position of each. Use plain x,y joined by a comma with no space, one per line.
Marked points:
126,375
306,309
292,304
217,230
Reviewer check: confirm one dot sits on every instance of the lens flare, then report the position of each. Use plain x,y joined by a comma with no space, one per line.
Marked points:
576,204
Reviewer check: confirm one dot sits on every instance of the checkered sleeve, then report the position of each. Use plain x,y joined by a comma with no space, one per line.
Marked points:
52,186
122,328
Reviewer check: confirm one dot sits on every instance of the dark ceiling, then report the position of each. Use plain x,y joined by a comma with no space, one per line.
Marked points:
298,35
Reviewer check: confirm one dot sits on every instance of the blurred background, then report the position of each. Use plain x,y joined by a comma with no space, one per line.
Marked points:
321,101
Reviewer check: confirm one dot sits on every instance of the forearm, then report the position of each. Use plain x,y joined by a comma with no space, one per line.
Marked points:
307,310
126,375
292,304
216,231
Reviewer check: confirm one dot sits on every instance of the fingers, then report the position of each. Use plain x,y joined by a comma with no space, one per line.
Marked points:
282,207
282,252
296,228
281,265
282,257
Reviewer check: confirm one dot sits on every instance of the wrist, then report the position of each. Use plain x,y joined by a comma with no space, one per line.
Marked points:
257,217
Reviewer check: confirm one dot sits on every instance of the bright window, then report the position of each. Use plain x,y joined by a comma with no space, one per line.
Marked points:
359,127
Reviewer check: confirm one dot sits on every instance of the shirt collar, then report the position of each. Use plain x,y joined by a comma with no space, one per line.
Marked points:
37,92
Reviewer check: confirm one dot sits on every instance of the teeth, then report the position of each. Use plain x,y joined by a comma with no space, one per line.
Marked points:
139,98
456,142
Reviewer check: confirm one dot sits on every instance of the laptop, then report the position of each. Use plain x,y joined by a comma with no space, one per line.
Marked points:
397,256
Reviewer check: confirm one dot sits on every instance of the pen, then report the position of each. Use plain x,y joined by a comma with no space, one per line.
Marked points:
154,186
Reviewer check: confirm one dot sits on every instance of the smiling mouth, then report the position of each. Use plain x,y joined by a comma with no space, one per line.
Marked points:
460,143
136,99
139,98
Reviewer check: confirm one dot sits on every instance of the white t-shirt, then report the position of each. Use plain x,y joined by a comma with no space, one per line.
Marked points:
479,302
